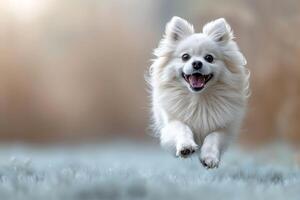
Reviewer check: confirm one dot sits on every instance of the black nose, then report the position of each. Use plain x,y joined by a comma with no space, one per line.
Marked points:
197,65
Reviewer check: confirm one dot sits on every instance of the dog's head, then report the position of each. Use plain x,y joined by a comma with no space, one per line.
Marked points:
198,60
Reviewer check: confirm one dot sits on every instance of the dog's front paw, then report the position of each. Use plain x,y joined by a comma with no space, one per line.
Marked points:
185,150
210,160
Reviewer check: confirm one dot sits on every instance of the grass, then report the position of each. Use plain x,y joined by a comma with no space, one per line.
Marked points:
130,171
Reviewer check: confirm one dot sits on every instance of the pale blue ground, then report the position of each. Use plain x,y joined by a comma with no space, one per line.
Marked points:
130,171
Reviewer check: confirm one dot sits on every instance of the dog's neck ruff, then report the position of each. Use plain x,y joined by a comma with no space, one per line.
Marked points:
205,112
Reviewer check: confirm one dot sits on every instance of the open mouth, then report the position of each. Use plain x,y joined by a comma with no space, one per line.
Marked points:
197,81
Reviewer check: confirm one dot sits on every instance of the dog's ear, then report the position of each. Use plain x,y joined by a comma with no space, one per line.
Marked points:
178,29
219,30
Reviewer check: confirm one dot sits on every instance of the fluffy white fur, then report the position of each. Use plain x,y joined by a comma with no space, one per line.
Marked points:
203,121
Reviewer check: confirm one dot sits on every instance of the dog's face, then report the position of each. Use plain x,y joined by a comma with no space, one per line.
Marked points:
198,60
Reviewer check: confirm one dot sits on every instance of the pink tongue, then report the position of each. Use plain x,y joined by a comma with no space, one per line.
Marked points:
197,81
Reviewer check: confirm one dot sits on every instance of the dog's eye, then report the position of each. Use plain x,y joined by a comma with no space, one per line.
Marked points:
209,58
185,57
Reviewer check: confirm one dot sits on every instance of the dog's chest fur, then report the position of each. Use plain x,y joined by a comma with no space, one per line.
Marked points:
203,113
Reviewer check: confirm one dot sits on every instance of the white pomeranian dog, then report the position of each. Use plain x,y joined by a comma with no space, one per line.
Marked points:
199,89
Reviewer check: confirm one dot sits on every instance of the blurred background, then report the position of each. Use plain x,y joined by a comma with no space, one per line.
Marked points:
73,70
